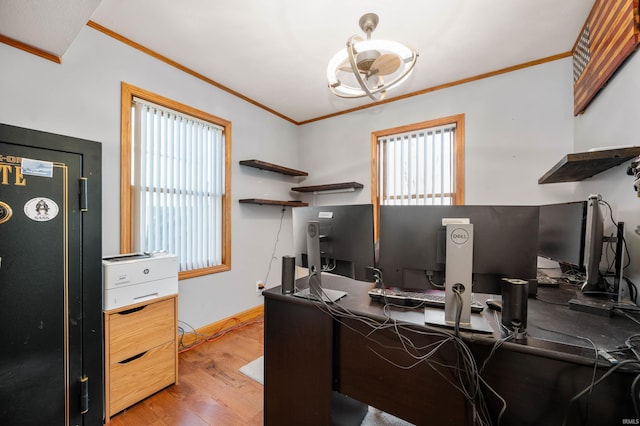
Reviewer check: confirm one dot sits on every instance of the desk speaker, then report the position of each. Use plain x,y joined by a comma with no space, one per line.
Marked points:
288,274
514,305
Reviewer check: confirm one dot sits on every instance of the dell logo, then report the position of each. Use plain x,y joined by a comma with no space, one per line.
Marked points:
312,229
459,236
146,271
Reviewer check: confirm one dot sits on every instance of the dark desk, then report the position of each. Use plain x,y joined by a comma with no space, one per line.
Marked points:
311,357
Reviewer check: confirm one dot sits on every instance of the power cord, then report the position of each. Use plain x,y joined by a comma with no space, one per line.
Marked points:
275,245
463,376
456,291
429,275
221,332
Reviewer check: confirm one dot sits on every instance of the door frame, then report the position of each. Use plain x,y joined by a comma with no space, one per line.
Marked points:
92,331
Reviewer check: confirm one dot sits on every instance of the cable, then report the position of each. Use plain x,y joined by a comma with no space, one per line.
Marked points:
550,302
221,332
631,346
182,333
620,311
463,375
593,375
495,346
632,289
459,303
275,245
634,393
596,383
626,248
330,266
429,275
465,371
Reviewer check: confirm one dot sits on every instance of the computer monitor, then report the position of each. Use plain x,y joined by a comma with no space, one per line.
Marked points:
346,238
561,235
594,239
412,244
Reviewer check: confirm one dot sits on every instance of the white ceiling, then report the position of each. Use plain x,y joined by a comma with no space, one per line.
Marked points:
275,52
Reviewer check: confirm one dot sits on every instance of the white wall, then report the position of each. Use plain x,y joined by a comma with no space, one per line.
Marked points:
517,126
612,120
81,98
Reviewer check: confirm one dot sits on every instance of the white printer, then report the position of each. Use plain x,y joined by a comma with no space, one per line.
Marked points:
138,277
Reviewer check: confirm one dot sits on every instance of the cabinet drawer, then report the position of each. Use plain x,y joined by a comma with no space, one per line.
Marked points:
135,379
135,330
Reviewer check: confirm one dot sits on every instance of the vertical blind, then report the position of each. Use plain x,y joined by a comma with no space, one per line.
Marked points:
178,184
417,168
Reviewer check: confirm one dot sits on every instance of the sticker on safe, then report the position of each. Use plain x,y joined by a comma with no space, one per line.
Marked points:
36,167
41,209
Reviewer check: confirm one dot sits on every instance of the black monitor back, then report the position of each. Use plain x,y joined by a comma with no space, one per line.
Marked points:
412,244
346,237
562,233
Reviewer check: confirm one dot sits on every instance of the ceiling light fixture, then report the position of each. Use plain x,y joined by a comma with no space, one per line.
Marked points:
362,67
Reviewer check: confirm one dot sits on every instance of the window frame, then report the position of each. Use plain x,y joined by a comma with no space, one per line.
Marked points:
126,190
458,195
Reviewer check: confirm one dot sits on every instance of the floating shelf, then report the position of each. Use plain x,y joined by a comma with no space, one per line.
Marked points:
583,165
345,186
261,201
263,165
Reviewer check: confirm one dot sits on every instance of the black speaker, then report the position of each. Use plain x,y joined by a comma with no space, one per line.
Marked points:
514,305
288,274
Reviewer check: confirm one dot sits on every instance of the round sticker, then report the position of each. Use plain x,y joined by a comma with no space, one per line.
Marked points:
41,209
5,212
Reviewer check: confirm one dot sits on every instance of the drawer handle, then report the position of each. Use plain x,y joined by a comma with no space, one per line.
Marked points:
130,311
133,358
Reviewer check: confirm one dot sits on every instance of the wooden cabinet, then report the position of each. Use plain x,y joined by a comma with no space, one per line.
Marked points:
141,354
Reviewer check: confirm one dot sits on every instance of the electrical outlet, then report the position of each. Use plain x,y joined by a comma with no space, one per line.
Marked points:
259,286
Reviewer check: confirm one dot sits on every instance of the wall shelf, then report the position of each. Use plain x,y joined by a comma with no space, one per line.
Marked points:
583,165
263,165
261,201
332,187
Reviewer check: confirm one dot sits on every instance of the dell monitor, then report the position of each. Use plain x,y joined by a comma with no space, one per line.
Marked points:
562,233
345,234
412,245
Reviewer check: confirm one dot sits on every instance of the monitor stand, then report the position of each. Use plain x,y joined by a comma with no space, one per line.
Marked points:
315,290
478,323
458,281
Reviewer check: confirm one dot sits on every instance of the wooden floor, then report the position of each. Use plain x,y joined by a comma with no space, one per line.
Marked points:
211,390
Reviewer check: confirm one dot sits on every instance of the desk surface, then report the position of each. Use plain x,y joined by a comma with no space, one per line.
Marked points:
552,328
549,318
537,376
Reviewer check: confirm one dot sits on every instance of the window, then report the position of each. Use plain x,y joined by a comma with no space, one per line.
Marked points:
419,164
175,182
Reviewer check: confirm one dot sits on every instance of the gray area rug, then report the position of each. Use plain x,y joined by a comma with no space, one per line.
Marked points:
374,417
255,370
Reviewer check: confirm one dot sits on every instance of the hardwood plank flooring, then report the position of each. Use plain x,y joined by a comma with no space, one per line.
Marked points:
211,390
